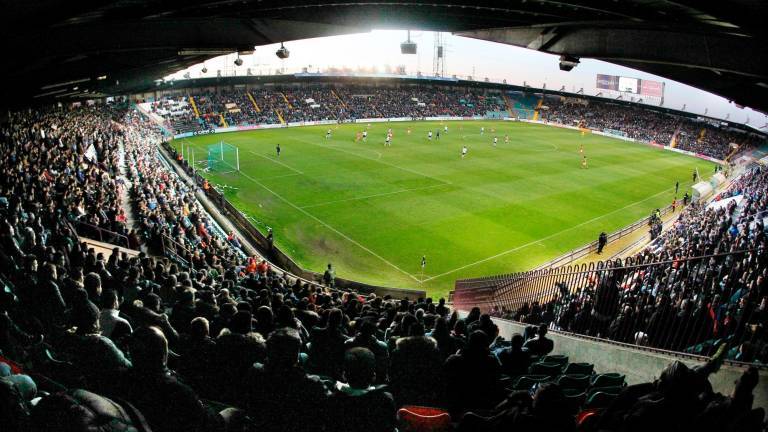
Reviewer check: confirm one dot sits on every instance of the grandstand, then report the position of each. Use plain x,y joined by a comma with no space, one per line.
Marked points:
139,295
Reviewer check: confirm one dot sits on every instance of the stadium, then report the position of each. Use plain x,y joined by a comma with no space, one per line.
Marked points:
258,247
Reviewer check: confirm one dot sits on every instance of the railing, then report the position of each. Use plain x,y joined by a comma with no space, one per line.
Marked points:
100,234
581,252
686,305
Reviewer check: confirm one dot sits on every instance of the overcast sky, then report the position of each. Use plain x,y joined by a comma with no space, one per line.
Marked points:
380,49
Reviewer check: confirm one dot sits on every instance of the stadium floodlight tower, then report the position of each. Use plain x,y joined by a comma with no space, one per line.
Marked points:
408,47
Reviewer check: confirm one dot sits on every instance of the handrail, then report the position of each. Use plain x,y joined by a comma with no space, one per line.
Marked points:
104,235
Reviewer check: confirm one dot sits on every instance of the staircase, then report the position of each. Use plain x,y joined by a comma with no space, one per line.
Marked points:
508,103
253,101
223,121
673,140
285,98
337,97
702,134
194,106
536,110
280,116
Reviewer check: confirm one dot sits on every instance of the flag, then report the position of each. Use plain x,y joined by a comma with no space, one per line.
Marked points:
423,261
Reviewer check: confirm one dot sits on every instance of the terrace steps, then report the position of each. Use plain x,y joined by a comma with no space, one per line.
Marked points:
536,110
280,116
508,103
702,134
194,106
287,102
339,98
673,140
253,101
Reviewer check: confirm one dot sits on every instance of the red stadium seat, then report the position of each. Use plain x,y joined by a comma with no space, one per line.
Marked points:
423,419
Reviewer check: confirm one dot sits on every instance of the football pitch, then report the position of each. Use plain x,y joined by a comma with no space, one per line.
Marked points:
374,211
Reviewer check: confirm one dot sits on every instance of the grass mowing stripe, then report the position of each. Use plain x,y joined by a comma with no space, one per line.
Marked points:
523,246
329,227
373,196
337,148
275,161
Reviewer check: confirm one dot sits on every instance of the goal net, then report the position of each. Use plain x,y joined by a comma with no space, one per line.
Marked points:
223,157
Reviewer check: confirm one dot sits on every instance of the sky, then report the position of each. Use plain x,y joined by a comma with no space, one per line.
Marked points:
379,51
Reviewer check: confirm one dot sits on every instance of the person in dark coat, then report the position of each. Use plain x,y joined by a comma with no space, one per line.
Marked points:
326,355
357,405
280,395
415,372
514,360
472,377
166,402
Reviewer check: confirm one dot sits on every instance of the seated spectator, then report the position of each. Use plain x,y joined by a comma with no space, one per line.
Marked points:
280,396
415,371
94,355
472,377
447,343
358,406
110,318
514,360
326,354
541,345
165,401
366,338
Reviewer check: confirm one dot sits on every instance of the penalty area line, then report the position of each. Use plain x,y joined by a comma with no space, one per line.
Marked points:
346,237
275,161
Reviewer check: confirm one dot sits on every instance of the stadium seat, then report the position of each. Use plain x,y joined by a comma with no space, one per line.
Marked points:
525,382
575,382
600,400
579,369
423,419
614,390
607,380
574,399
549,369
557,359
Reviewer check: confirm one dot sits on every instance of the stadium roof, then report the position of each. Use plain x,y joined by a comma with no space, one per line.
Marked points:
60,49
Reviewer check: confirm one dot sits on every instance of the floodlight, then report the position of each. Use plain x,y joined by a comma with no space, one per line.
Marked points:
568,62
282,53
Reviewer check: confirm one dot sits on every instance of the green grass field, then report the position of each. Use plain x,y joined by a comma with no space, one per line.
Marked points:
373,211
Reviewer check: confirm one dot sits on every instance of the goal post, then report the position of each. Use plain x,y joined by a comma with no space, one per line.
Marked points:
223,157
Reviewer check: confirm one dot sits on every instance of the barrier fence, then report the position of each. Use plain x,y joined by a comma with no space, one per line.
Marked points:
686,305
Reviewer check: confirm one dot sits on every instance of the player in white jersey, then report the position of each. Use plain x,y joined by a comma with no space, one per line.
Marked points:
464,151
365,135
328,134
388,141
445,129
482,130
495,140
429,135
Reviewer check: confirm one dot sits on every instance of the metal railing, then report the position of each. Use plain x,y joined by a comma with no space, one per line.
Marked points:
581,252
101,234
686,305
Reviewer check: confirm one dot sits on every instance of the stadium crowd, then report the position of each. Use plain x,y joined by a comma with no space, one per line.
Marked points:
208,339
679,303
344,103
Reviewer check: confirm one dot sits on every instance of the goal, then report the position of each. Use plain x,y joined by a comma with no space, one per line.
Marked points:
223,157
